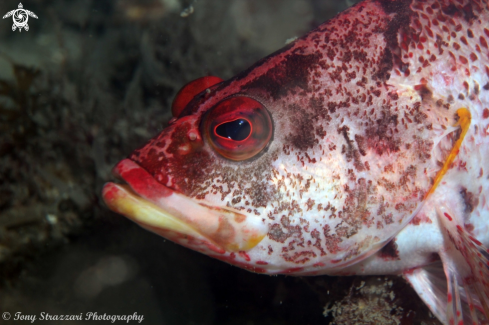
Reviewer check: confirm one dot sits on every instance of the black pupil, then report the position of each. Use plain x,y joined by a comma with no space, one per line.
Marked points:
236,130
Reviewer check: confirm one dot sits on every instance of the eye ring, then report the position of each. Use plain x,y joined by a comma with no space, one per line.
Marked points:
238,128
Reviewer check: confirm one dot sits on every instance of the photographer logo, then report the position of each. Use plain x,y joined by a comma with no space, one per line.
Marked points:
20,17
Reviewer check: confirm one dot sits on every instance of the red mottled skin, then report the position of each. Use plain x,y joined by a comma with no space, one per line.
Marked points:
142,182
365,111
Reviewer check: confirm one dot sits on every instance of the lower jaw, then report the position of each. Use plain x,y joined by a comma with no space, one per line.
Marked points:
176,217
123,200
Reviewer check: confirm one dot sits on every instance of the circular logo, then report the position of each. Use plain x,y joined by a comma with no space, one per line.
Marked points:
20,18
6,315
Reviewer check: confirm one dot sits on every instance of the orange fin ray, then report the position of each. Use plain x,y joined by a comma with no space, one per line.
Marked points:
464,123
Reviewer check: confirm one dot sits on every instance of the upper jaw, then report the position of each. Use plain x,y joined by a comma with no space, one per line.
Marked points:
179,218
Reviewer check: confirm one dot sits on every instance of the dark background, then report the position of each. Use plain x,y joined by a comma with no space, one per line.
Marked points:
88,83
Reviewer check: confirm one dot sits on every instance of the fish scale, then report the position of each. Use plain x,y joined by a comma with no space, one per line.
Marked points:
379,130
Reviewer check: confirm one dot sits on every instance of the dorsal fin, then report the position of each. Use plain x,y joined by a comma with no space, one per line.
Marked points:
188,92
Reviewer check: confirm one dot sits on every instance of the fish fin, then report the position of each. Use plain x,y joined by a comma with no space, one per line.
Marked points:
430,284
471,303
454,305
466,265
464,119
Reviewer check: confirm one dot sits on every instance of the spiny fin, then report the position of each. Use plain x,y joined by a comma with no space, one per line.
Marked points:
464,119
431,285
454,305
469,275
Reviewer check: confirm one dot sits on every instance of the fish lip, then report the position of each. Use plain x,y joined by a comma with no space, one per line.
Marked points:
173,215
140,181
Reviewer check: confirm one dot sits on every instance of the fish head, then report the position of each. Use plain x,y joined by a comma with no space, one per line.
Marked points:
303,164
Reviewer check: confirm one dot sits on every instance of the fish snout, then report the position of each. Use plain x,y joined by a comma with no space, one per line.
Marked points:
189,222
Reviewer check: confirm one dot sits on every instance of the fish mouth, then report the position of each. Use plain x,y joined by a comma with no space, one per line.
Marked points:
188,222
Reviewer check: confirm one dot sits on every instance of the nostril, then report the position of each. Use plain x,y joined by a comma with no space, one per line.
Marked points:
184,149
192,135
172,120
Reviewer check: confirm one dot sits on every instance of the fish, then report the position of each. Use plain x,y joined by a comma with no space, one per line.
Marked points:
360,148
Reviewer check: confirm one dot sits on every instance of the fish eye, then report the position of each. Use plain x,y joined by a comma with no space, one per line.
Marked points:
238,128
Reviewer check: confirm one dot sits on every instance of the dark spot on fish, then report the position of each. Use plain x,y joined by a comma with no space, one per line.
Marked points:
317,236
303,135
380,136
385,66
356,212
424,91
468,12
320,111
470,200
276,233
449,10
476,88
398,7
332,240
361,144
398,26
349,150
434,257
347,56
291,73
277,230
393,96
389,251
485,113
